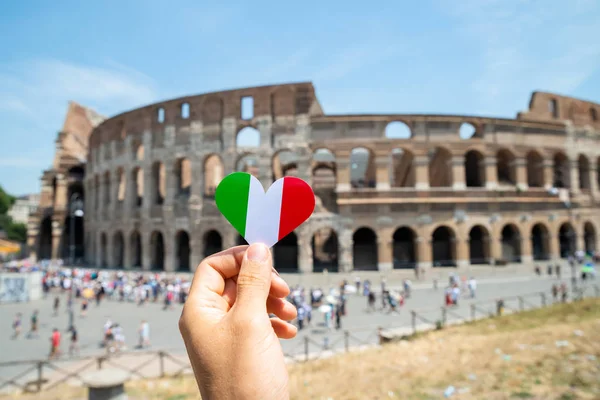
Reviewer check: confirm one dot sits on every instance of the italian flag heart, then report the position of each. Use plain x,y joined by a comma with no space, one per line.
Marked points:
264,217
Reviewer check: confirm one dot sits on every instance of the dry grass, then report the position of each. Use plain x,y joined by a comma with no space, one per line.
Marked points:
512,357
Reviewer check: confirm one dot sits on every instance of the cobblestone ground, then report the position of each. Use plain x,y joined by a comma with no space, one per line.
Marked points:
492,284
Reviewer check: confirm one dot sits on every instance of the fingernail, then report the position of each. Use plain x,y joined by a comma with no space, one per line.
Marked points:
257,252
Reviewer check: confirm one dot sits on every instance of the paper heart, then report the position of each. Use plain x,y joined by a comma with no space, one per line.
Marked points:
264,217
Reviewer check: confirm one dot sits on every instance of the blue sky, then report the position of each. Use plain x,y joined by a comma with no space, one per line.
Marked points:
480,57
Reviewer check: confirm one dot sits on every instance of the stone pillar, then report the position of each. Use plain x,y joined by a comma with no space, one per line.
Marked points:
574,176
169,250
61,193
126,250
526,249
554,248
521,173
56,234
382,172
462,252
495,247
148,199
346,260
264,127
491,173
424,252
548,173
146,250
195,252
305,255
458,172
229,133
343,171
384,254
421,165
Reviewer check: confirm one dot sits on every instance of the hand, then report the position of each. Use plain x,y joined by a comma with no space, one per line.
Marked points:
232,343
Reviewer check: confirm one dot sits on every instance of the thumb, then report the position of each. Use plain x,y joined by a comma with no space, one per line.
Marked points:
254,280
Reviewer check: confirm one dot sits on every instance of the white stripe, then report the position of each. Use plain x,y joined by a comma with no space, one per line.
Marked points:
262,218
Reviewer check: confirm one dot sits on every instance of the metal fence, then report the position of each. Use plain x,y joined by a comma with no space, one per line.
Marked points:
39,375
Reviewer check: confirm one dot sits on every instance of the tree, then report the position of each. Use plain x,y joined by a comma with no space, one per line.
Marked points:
6,201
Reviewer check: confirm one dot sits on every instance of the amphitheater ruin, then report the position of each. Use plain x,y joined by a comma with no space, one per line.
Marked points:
393,191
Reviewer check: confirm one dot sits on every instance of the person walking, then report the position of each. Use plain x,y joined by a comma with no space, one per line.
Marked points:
34,324
55,344
144,334
74,345
472,287
17,325
56,305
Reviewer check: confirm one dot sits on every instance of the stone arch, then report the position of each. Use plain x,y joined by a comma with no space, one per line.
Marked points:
362,168
323,169
510,239
402,167
561,173
248,163
505,167
182,251
183,177
540,242
96,191
398,130
567,240
285,254
325,250
404,248
135,246
583,165
139,152
474,169
118,249
598,172
45,239
157,247
103,251
440,167
467,131
365,252
285,163
479,245
248,137
213,174
589,238
158,183
213,243
443,247
535,169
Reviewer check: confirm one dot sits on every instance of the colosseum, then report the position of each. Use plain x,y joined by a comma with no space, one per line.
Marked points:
393,191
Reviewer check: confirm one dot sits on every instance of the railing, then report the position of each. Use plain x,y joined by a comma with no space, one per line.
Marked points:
40,375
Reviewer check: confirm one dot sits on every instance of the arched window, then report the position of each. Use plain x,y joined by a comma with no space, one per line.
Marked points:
397,130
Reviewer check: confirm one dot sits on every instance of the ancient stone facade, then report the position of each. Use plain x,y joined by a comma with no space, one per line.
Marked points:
394,191
48,228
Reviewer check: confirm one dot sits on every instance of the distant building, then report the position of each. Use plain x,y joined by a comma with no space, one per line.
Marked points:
24,206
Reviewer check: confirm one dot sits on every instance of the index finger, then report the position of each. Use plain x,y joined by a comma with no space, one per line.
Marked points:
215,269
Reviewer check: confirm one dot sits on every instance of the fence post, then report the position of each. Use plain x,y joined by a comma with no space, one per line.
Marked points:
543,296
521,305
444,316
305,348
472,312
414,321
161,363
40,376
596,291
347,341
100,361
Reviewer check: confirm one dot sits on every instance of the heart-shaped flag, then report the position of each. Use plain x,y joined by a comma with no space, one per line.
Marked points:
264,217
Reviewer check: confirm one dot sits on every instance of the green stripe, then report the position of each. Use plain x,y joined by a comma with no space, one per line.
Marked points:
231,197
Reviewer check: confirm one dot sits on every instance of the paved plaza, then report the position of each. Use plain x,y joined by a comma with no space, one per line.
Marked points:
163,323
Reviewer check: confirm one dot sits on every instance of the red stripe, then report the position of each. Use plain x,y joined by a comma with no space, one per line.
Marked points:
297,204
